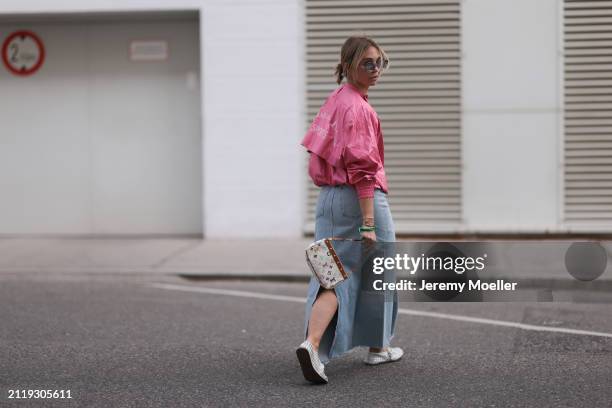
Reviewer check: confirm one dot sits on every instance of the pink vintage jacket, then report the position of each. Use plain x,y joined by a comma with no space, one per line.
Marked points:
346,143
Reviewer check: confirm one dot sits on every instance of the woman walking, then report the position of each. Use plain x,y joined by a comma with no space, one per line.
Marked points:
346,160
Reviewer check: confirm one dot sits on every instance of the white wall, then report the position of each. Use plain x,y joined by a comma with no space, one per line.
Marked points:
252,113
253,118
511,111
252,108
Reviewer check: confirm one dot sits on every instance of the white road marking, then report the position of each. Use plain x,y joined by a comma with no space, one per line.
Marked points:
504,323
229,292
412,312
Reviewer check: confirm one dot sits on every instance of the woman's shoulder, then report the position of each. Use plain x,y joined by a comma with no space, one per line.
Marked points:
338,103
342,103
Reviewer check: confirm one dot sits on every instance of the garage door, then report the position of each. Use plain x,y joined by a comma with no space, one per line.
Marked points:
105,138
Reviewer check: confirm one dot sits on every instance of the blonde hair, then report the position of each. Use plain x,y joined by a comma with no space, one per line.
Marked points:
353,49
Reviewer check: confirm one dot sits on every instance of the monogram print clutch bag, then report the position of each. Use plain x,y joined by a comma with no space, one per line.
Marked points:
324,263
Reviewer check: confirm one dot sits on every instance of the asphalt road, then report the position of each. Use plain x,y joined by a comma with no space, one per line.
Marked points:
123,342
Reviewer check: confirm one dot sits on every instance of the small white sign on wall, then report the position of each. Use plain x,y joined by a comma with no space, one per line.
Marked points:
148,50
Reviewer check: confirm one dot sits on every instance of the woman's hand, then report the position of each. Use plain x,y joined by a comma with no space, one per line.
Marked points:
368,235
369,240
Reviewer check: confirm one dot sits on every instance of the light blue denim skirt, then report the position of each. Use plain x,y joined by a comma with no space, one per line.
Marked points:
363,318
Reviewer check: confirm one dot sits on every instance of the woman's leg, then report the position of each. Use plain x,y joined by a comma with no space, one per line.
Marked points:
323,310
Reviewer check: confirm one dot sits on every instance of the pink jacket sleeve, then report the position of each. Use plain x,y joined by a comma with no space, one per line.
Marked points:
324,137
360,155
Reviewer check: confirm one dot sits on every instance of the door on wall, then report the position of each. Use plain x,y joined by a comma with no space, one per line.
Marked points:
105,138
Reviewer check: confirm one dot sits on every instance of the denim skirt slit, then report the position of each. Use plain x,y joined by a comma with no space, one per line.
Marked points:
363,317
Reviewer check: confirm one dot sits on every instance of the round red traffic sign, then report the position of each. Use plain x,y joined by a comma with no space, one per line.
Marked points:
23,52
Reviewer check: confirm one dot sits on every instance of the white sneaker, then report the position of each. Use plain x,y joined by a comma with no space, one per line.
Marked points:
390,355
312,368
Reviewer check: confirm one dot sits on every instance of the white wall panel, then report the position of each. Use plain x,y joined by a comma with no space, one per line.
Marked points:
511,108
511,177
253,113
510,55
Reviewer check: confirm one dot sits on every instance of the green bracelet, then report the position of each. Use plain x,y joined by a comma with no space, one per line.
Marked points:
367,229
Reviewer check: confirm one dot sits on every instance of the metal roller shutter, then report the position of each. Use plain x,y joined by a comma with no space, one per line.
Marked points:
588,114
418,99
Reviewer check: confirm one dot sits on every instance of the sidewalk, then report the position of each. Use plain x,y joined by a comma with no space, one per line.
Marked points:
275,259
157,256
